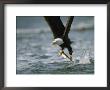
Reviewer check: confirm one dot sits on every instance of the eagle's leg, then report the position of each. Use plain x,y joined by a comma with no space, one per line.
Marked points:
70,52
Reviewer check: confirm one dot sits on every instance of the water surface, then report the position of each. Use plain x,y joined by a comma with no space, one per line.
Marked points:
36,55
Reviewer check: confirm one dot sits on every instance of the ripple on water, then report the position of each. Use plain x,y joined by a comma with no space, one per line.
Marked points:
42,58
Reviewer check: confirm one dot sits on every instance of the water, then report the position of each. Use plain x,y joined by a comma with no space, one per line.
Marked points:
36,55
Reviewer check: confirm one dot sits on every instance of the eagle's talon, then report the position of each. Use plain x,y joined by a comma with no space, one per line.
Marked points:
61,52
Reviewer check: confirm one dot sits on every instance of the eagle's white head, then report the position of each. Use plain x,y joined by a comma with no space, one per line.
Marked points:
58,41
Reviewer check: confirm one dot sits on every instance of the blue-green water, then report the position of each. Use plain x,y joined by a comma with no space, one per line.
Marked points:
36,55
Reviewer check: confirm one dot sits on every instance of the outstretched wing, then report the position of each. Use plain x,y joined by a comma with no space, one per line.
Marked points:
56,25
68,26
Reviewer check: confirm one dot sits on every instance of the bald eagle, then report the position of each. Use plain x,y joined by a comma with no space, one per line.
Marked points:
60,32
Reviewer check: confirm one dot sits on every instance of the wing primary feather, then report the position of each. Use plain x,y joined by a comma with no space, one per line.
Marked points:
68,26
